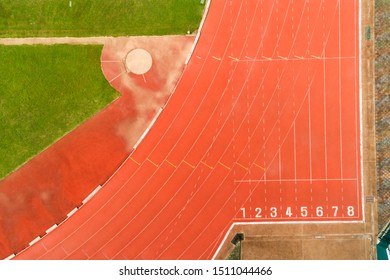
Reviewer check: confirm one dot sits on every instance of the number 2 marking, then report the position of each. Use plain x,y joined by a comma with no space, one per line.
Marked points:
258,212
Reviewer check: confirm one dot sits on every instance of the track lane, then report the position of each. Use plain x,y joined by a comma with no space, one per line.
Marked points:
230,138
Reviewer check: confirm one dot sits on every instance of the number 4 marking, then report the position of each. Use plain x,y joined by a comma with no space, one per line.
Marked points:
288,212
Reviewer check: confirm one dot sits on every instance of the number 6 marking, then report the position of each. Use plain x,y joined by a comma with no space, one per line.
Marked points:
320,211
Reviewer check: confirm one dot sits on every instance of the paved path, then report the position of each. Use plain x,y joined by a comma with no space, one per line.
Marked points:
55,40
68,40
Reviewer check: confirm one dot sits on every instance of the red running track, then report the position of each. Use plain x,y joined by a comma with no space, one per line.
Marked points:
46,188
264,126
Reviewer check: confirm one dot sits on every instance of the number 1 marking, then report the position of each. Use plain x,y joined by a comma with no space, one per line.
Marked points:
243,212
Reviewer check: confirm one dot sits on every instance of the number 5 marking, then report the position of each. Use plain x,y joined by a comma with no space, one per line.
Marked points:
304,211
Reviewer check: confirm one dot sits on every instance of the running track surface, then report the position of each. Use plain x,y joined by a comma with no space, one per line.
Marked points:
264,126
45,189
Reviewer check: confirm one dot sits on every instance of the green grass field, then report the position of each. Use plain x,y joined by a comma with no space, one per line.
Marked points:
36,18
45,92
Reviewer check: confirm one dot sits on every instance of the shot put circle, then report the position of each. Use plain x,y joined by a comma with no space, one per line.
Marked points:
138,61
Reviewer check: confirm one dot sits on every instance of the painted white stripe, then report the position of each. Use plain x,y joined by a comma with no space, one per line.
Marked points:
51,228
92,194
72,212
148,129
10,257
34,241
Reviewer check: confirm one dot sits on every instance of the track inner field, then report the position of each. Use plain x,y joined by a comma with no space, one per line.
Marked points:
264,126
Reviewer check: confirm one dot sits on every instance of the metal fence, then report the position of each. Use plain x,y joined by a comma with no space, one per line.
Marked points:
382,92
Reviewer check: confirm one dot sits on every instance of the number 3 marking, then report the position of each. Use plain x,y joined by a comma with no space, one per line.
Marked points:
274,212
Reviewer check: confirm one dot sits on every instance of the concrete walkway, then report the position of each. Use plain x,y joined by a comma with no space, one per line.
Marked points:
70,40
55,40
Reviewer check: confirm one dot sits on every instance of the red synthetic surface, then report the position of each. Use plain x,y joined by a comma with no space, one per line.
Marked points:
45,189
264,122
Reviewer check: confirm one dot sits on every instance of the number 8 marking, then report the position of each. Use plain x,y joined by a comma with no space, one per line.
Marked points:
351,211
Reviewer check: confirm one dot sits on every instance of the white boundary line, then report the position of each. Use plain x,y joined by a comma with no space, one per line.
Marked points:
363,220
9,257
94,192
51,228
234,223
362,188
148,128
34,241
205,13
72,212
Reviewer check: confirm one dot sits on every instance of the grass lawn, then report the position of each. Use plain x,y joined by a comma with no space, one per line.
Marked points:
45,92
41,18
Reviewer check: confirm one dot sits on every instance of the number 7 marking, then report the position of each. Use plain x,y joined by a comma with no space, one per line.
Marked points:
335,209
